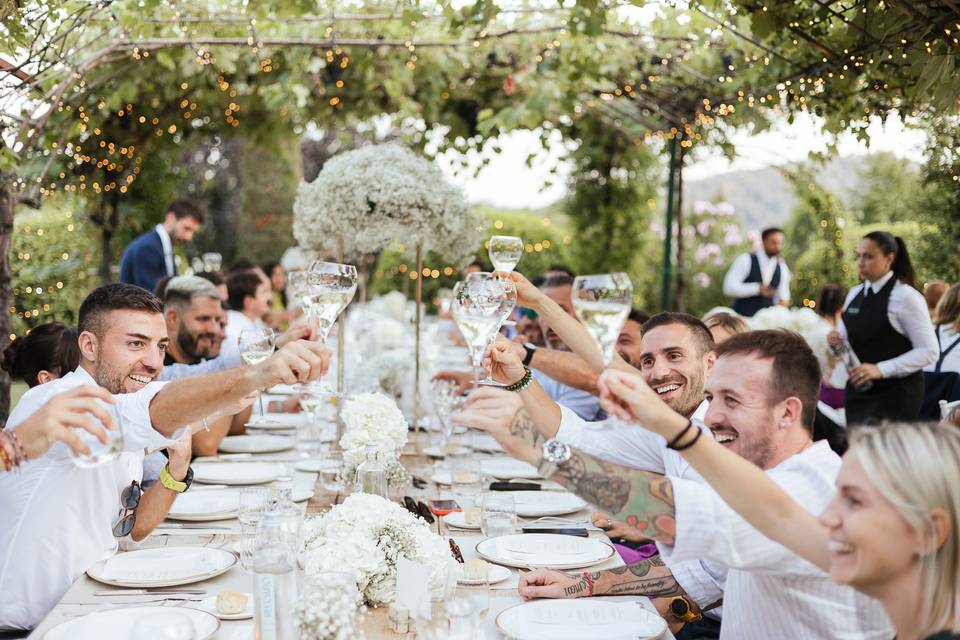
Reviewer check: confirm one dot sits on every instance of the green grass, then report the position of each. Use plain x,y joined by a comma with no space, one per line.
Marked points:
17,389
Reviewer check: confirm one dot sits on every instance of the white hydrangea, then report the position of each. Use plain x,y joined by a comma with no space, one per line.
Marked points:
380,194
366,534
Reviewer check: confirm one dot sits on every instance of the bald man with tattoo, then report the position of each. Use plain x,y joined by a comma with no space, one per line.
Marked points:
762,394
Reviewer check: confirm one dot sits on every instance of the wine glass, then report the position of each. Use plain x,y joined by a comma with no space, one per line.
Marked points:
100,452
477,310
298,289
505,252
507,303
330,286
256,345
602,303
445,400
212,261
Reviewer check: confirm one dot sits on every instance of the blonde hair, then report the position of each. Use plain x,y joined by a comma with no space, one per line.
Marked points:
916,466
733,323
947,310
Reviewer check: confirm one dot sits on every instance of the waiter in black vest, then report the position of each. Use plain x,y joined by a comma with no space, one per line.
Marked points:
886,324
759,280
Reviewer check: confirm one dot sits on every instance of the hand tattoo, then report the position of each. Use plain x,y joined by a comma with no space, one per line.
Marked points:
643,498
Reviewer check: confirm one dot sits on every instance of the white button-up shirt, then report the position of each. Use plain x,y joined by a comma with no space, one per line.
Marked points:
167,245
908,315
237,322
947,335
57,518
771,592
735,287
582,403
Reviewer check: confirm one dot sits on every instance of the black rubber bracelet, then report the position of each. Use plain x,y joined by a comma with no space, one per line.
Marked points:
673,443
683,447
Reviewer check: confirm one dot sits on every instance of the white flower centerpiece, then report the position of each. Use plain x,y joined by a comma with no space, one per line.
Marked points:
329,611
378,194
373,418
366,535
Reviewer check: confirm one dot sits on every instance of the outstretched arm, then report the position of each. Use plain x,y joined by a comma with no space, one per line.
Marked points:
648,577
742,485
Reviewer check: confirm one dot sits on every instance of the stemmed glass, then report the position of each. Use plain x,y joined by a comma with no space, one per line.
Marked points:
256,345
330,288
297,286
507,303
477,310
505,252
445,400
602,303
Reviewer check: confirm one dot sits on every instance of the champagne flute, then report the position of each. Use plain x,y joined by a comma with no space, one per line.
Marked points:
505,252
256,345
507,303
477,311
330,287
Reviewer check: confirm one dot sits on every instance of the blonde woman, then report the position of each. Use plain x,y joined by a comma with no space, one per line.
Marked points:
890,531
723,324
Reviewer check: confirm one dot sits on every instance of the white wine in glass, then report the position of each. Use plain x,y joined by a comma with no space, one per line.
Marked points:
330,287
602,303
505,252
327,306
256,345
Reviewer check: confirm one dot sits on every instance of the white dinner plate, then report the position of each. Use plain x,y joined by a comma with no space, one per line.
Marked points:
300,494
118,624
580,618
485,442
236,473
458,519
256,444
509,469
545,550
497,574
276,421
203,506
536,504
316,465
210,606
437,452
441,477
162,566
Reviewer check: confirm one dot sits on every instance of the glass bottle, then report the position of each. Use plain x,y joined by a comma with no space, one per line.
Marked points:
274,581
850,360
372,474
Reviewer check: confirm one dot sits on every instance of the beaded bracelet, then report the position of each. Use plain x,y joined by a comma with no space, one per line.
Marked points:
19,453
523,383
4,455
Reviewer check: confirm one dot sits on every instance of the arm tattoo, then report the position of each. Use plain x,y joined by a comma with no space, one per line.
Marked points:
580,586
524,428
648,577
644,499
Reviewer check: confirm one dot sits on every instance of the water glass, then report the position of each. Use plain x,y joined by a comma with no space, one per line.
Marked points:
100,452
253,500
498,514
163,625
465,475
249,530
331,470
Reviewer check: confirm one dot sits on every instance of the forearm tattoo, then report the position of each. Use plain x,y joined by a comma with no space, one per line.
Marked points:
642,498
523,427
648,577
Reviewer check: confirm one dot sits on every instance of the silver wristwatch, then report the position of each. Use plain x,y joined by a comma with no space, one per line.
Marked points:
555,453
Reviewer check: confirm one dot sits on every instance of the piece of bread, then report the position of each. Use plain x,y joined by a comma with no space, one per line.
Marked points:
231,602
472,516
476,569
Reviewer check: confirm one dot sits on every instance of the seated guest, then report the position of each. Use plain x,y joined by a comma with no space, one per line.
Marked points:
897,482
248,296
946,320
217,280
55,422
722,325
277,317
193,314
932,293
68,515
762,394
629,341
44,354
829,307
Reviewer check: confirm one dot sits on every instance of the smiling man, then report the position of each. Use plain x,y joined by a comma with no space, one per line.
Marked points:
58,519
762,393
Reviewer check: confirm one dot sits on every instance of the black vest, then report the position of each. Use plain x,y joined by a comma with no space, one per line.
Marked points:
749,306
871,335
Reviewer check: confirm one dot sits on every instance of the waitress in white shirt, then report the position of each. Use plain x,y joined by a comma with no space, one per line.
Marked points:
886,323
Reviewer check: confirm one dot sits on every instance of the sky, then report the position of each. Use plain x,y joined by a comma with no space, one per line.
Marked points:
508,183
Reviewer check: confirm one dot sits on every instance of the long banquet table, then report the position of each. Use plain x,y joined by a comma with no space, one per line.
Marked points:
80,599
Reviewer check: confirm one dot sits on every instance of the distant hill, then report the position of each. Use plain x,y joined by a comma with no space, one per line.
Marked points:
764,197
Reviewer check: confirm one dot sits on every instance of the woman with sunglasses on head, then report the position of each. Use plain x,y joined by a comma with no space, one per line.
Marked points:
885,324
899,482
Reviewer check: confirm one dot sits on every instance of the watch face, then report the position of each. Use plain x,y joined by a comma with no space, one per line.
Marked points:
679,607
555,451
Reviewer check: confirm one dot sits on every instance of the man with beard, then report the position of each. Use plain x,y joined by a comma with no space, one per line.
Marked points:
675,358
195,322
763,394
68,517
759,280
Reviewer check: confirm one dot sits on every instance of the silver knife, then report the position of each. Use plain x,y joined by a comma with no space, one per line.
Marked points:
150,592
192,525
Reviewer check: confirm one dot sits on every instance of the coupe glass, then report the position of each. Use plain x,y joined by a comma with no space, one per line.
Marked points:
505,252
602,303
256,345
478,304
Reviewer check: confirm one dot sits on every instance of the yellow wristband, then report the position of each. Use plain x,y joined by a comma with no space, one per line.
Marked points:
170,482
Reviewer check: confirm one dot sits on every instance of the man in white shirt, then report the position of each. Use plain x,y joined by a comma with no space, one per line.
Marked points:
149,258
759,280
63,516
762,393
248,296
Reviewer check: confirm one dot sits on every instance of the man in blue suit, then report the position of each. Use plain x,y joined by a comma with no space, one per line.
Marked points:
149,258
